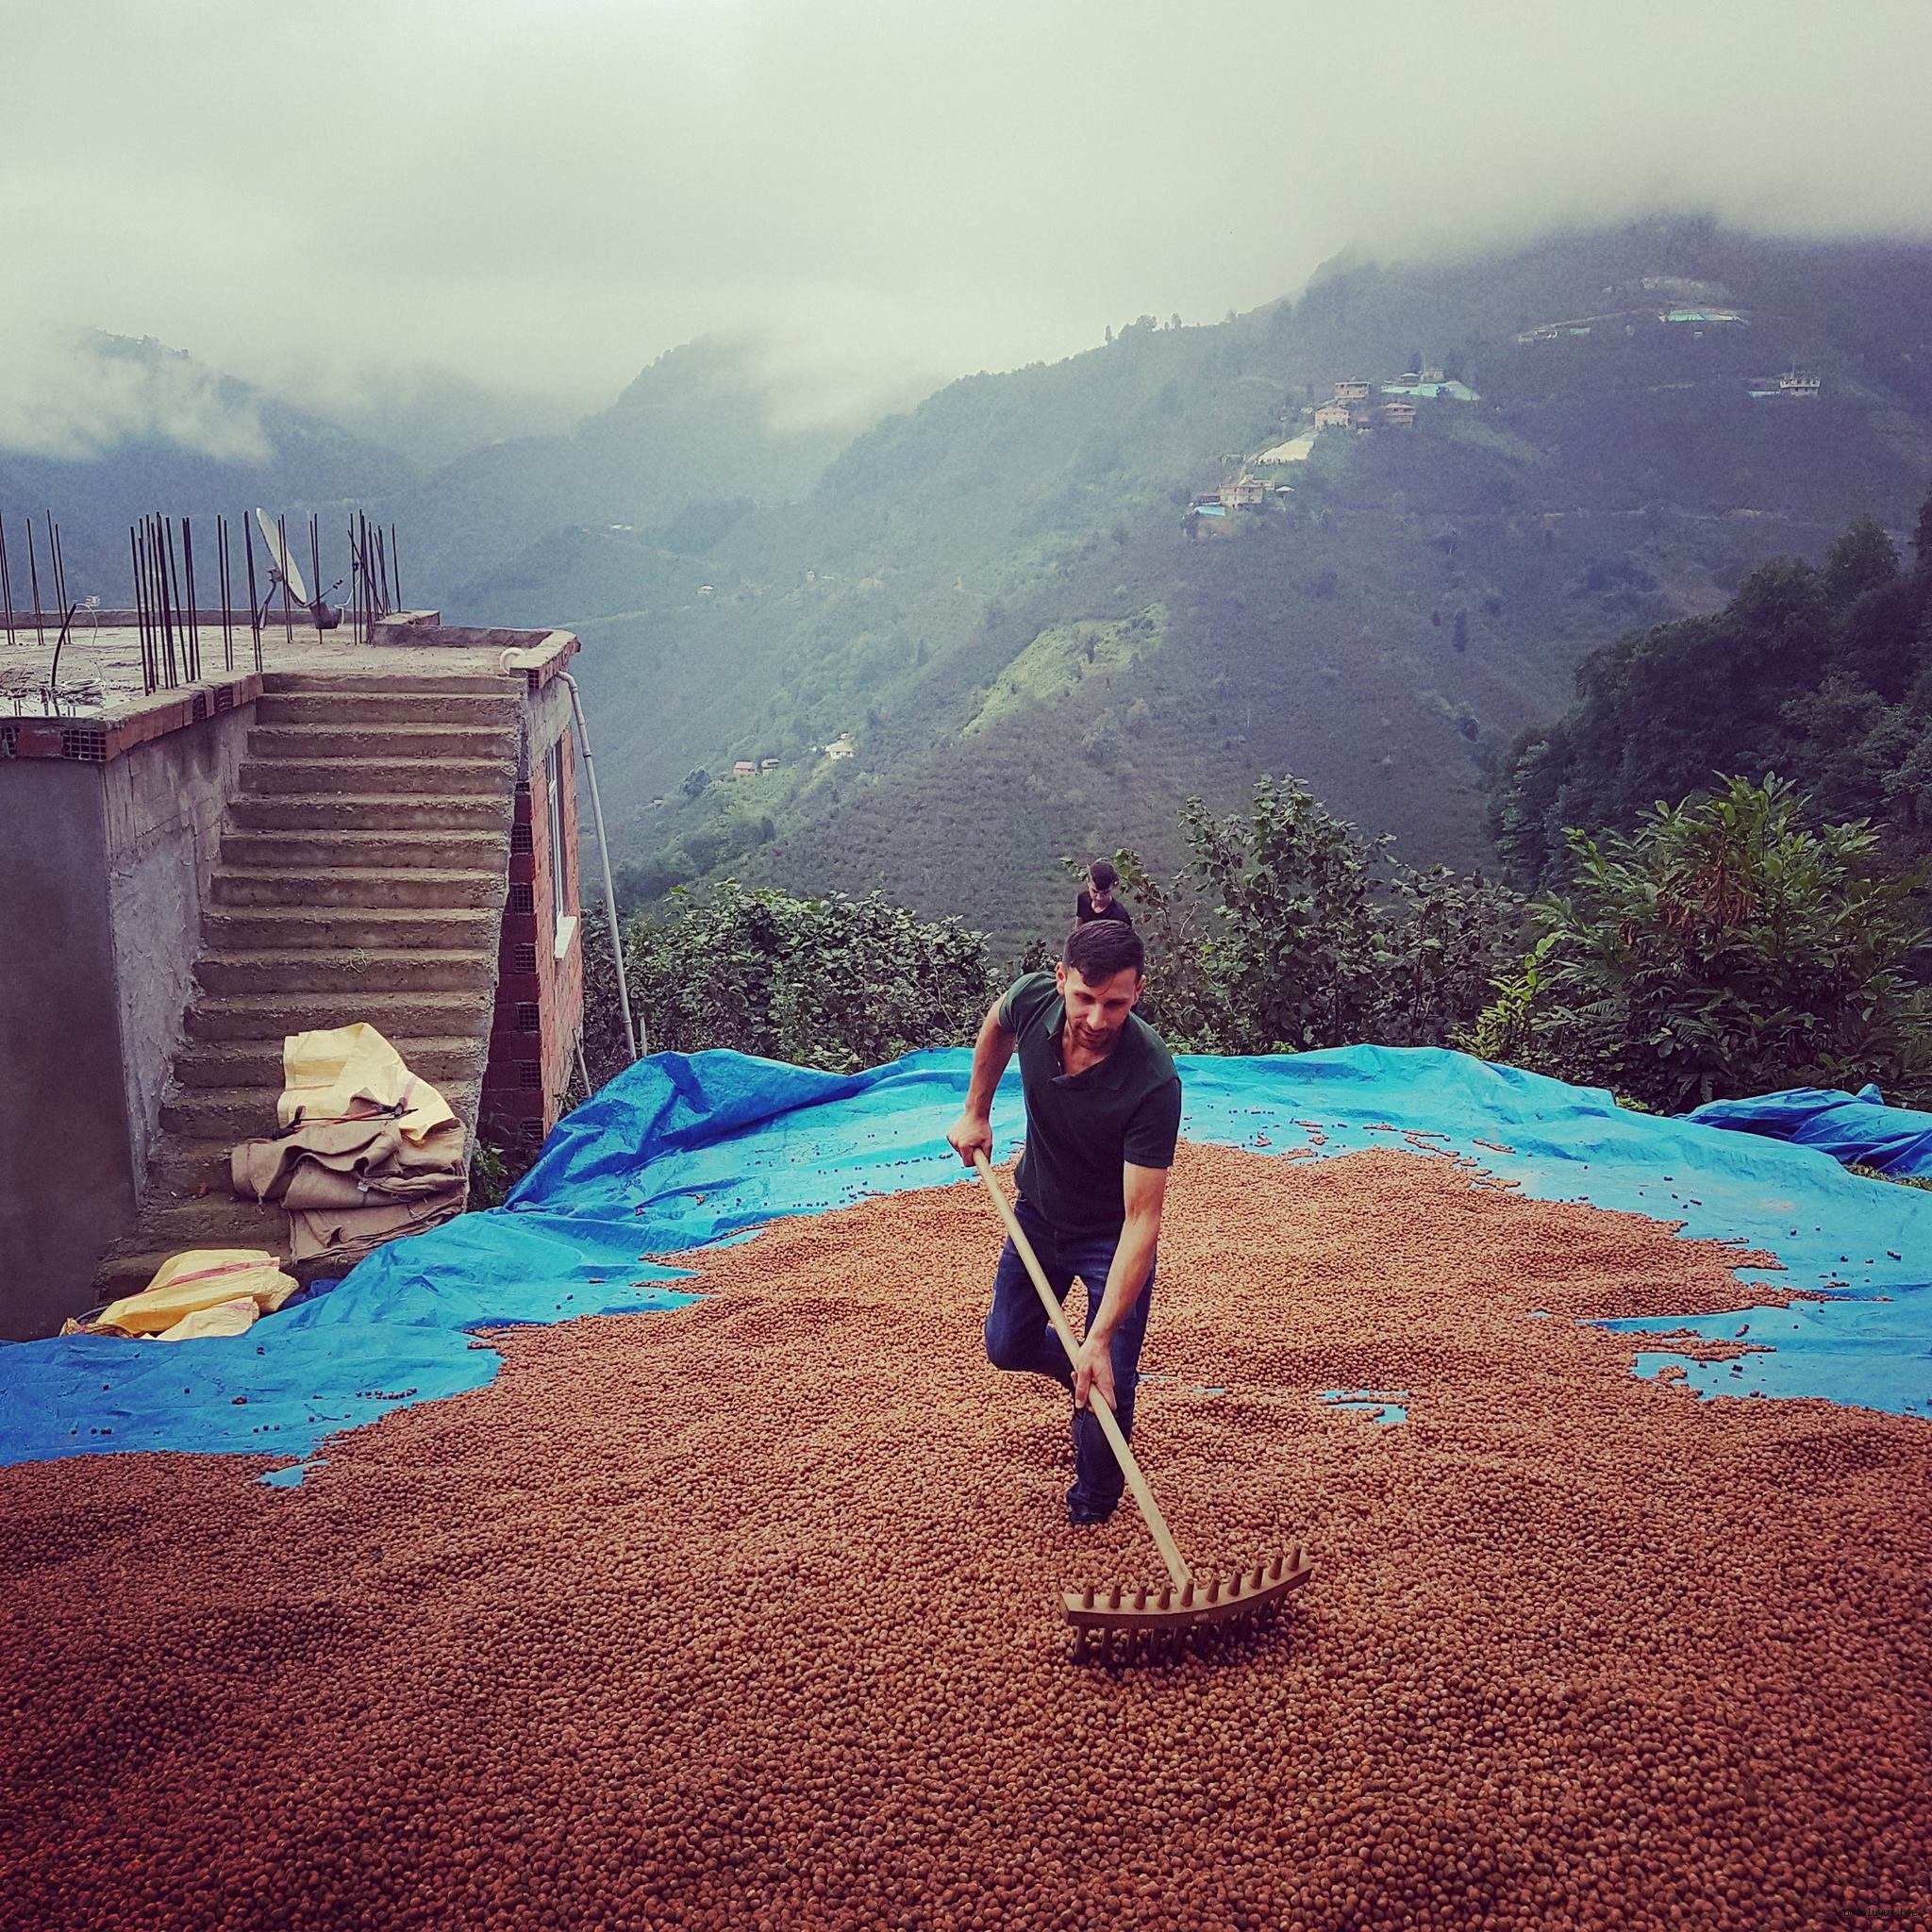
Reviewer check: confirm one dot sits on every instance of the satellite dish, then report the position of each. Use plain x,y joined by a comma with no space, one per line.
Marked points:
279,559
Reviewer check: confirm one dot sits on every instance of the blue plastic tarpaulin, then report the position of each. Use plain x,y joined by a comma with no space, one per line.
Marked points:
681,1151
1858,1126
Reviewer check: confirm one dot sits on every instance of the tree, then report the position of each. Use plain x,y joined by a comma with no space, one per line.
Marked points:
1721,948
1861,559
1288,929
837,983
1820,674
695,782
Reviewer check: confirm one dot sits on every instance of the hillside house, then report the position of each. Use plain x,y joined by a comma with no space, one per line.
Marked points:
744,768
1333,416
768,764
1793,384
1398,415
380,830
1353,389
841,748
1244,495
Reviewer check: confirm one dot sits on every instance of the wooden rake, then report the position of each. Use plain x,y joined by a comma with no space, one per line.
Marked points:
1153,1623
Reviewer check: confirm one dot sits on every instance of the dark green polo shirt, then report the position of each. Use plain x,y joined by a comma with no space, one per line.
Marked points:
1081,1129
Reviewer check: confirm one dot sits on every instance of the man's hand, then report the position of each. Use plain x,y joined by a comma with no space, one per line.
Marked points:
1093,1369
970,1131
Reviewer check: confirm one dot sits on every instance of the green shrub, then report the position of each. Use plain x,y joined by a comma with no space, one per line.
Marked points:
1287,928
837,983
1721,949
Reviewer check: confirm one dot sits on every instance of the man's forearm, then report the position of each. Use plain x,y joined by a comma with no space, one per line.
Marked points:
1133,1261
990,1053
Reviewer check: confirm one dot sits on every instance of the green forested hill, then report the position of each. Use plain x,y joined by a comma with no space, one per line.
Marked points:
1824,676
694,425
1420,598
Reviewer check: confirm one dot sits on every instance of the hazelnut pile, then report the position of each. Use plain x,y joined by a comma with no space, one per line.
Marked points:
747,1615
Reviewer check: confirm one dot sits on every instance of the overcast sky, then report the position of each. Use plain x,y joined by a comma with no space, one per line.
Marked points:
549,193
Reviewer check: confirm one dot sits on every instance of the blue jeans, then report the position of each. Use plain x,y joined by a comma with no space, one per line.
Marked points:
1018,1336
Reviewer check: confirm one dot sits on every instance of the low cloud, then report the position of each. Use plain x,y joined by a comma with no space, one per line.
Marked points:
544,198
73,396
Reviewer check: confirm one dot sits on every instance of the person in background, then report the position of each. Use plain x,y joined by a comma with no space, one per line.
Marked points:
1096,900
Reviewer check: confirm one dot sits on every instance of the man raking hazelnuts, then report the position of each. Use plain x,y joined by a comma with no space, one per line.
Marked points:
1102,1115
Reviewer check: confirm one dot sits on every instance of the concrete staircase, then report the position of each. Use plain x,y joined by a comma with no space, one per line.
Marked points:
364,865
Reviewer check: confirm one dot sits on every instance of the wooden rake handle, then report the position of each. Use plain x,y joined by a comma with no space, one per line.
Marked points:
1102,1411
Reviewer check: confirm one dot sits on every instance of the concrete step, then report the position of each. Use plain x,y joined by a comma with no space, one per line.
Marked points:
351,969
397,1016
365,887
400,779
268,851
387,706
336,929
440,683
189,1167
372,811
218,1222
233,1113
237,1063
372,740
184,1168
220,1113
189,1202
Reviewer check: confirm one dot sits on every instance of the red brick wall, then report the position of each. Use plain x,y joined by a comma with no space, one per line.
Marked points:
540,996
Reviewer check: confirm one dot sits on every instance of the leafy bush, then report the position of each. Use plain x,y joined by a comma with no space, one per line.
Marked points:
1721,949
837,983
1287,928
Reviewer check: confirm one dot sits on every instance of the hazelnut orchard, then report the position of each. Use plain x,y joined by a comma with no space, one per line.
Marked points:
746,1615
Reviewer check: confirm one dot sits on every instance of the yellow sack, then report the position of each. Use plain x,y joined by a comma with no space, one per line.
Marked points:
341,1073
200,1279
225,1318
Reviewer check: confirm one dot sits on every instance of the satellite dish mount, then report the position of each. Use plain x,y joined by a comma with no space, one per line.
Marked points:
284,573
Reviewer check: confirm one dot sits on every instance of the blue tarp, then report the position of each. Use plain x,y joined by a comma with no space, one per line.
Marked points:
1849,1126
681,1151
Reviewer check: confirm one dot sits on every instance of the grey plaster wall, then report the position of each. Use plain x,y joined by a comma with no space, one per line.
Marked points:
163,802
546,717
67,1182
104,873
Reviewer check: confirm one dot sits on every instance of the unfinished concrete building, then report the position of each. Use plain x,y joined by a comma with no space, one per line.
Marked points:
380,830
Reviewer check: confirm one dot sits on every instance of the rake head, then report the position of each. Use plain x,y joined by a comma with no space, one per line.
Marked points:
1162,1623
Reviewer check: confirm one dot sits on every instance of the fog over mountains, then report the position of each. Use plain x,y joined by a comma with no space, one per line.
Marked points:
1001,602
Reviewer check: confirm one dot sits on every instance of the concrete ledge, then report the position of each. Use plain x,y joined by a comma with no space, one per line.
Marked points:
93,741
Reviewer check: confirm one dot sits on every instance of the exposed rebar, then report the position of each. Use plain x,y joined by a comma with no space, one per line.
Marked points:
228,596
254,602
58,562
174,581
315,571
194,613
33,572
147,655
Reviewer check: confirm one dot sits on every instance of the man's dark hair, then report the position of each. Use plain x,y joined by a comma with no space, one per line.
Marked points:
1103,874
1103,947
